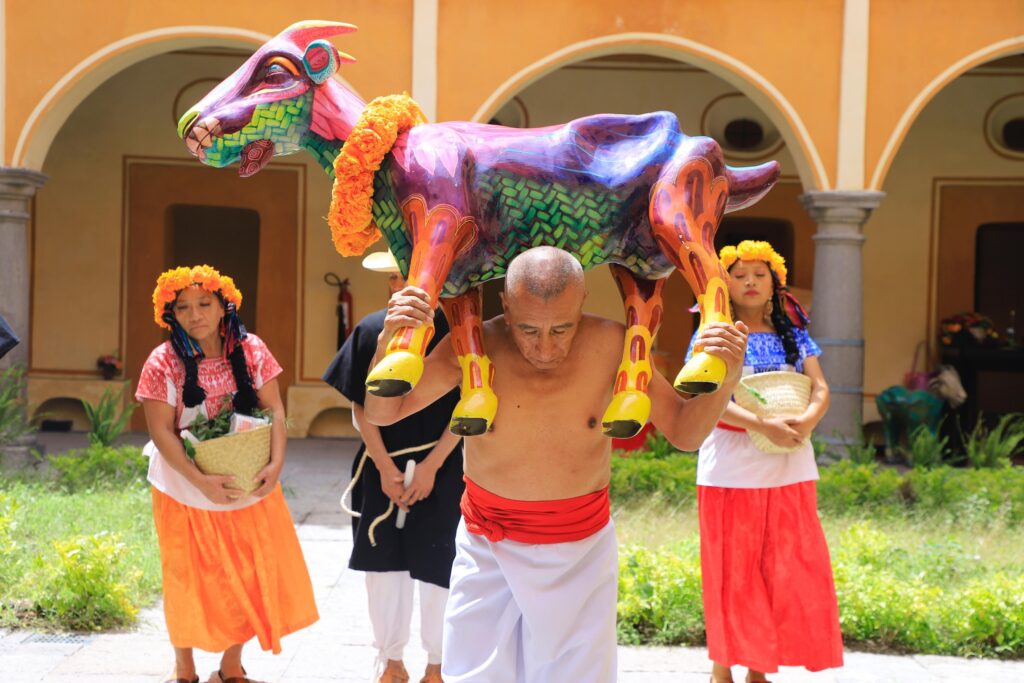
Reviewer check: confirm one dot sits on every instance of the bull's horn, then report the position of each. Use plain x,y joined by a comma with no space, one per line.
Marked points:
748,184
303,33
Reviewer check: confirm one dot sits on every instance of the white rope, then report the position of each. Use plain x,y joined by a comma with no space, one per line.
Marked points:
346,494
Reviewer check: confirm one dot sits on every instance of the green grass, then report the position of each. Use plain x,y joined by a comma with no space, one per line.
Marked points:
93,543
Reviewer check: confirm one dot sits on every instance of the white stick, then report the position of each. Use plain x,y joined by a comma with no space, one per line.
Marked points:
410,468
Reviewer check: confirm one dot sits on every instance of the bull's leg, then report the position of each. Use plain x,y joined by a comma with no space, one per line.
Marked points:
630,406
438,236
685,210
476,409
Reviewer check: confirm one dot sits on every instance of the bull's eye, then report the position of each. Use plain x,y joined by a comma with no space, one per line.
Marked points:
277,75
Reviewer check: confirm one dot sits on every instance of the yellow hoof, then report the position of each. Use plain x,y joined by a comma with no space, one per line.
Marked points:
703,374
475,413
395,375
626,414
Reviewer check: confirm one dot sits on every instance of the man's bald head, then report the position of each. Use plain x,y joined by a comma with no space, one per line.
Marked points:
543,272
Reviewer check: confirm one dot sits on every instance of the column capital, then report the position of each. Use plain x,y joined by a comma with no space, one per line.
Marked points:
22,180
841,206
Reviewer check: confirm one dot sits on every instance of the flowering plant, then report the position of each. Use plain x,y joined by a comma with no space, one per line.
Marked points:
968,329
109,365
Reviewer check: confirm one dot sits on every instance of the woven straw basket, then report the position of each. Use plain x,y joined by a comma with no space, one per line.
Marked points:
787,395
242,455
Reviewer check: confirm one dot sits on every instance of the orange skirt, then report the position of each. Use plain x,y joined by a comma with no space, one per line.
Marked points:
229,576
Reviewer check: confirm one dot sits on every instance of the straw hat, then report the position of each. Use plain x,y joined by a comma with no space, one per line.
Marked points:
774,394
381,262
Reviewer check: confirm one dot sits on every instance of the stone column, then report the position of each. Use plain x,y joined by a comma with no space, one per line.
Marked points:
837,318
17,187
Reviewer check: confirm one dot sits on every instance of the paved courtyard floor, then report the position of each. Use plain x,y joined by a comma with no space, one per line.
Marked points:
337,648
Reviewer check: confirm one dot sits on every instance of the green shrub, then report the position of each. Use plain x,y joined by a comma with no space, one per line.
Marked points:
644,475
994,447
8,545
99,467
660,595
13,420
926,448
105,424
933,597
850,488
88,589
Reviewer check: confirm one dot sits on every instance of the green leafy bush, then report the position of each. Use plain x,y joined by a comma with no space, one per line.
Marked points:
660,595
99,467
930,598
13,421
644,474
993,447
926,449
87,589
8,544
105,423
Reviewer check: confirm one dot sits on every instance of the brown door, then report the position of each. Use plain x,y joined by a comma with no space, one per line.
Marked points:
180,209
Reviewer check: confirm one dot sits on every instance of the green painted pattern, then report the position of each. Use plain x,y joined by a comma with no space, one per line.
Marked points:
285,122
387,215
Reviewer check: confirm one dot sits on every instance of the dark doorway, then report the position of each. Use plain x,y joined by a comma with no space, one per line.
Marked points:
998,292
226,238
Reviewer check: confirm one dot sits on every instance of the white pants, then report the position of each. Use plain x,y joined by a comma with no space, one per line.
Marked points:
523,613
390,600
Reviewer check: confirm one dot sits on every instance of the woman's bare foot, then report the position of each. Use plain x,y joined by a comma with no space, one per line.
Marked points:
756,677
720,674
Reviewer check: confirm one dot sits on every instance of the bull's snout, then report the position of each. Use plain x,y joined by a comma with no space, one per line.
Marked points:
186,122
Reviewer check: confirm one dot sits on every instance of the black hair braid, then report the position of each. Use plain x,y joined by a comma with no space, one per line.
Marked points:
233,331
187,350
783,325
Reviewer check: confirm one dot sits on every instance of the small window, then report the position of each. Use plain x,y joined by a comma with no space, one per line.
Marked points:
743,134
1013,134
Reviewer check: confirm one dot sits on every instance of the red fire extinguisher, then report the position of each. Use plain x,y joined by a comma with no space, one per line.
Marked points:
344,309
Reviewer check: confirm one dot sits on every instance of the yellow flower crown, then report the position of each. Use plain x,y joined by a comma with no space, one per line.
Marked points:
375,133
750,250
170,283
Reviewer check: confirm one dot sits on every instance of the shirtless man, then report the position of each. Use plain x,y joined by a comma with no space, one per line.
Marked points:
533,587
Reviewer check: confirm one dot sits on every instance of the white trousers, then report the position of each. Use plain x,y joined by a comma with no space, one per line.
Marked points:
523,613
390,601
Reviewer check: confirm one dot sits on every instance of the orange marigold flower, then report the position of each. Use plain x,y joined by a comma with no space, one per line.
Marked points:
351,213
751,250
171,282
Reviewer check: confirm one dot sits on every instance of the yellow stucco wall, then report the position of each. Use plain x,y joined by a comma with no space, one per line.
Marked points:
42,51
912,44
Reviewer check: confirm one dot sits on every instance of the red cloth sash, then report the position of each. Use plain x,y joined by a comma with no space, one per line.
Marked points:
730,428
534,521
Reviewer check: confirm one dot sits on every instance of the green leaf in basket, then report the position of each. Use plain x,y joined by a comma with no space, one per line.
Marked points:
756,394
190,449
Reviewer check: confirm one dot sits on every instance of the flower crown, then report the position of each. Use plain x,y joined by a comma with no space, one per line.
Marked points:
750,250
171,282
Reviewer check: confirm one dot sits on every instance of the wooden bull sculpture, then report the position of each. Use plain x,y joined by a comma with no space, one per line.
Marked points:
457,201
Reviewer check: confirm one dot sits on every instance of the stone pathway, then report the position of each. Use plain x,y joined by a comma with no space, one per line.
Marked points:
337,648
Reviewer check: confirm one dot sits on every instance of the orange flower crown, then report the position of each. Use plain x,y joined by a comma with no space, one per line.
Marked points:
170,283
375,133
750,250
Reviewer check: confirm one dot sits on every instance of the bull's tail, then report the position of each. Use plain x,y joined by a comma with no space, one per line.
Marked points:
749,184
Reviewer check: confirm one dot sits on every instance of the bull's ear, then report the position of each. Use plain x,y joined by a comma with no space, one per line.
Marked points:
322,59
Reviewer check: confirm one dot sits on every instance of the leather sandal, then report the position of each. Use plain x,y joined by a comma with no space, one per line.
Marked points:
182,680
234,679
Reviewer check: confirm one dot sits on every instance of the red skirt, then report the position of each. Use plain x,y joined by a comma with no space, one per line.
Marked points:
769,597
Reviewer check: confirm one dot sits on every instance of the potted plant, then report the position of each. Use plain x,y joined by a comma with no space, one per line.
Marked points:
109,365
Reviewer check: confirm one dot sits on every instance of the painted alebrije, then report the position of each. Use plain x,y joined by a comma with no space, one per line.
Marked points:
320,61
457,201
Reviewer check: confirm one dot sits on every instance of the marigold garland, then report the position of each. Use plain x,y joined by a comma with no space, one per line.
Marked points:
375,133
176,279
751,250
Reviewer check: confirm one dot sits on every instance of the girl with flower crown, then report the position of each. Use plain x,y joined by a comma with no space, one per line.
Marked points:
232,565
769,597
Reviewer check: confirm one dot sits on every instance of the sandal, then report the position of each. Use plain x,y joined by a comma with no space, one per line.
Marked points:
182,680
234,679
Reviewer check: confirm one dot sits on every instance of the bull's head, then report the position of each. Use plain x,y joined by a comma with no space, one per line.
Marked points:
282,99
